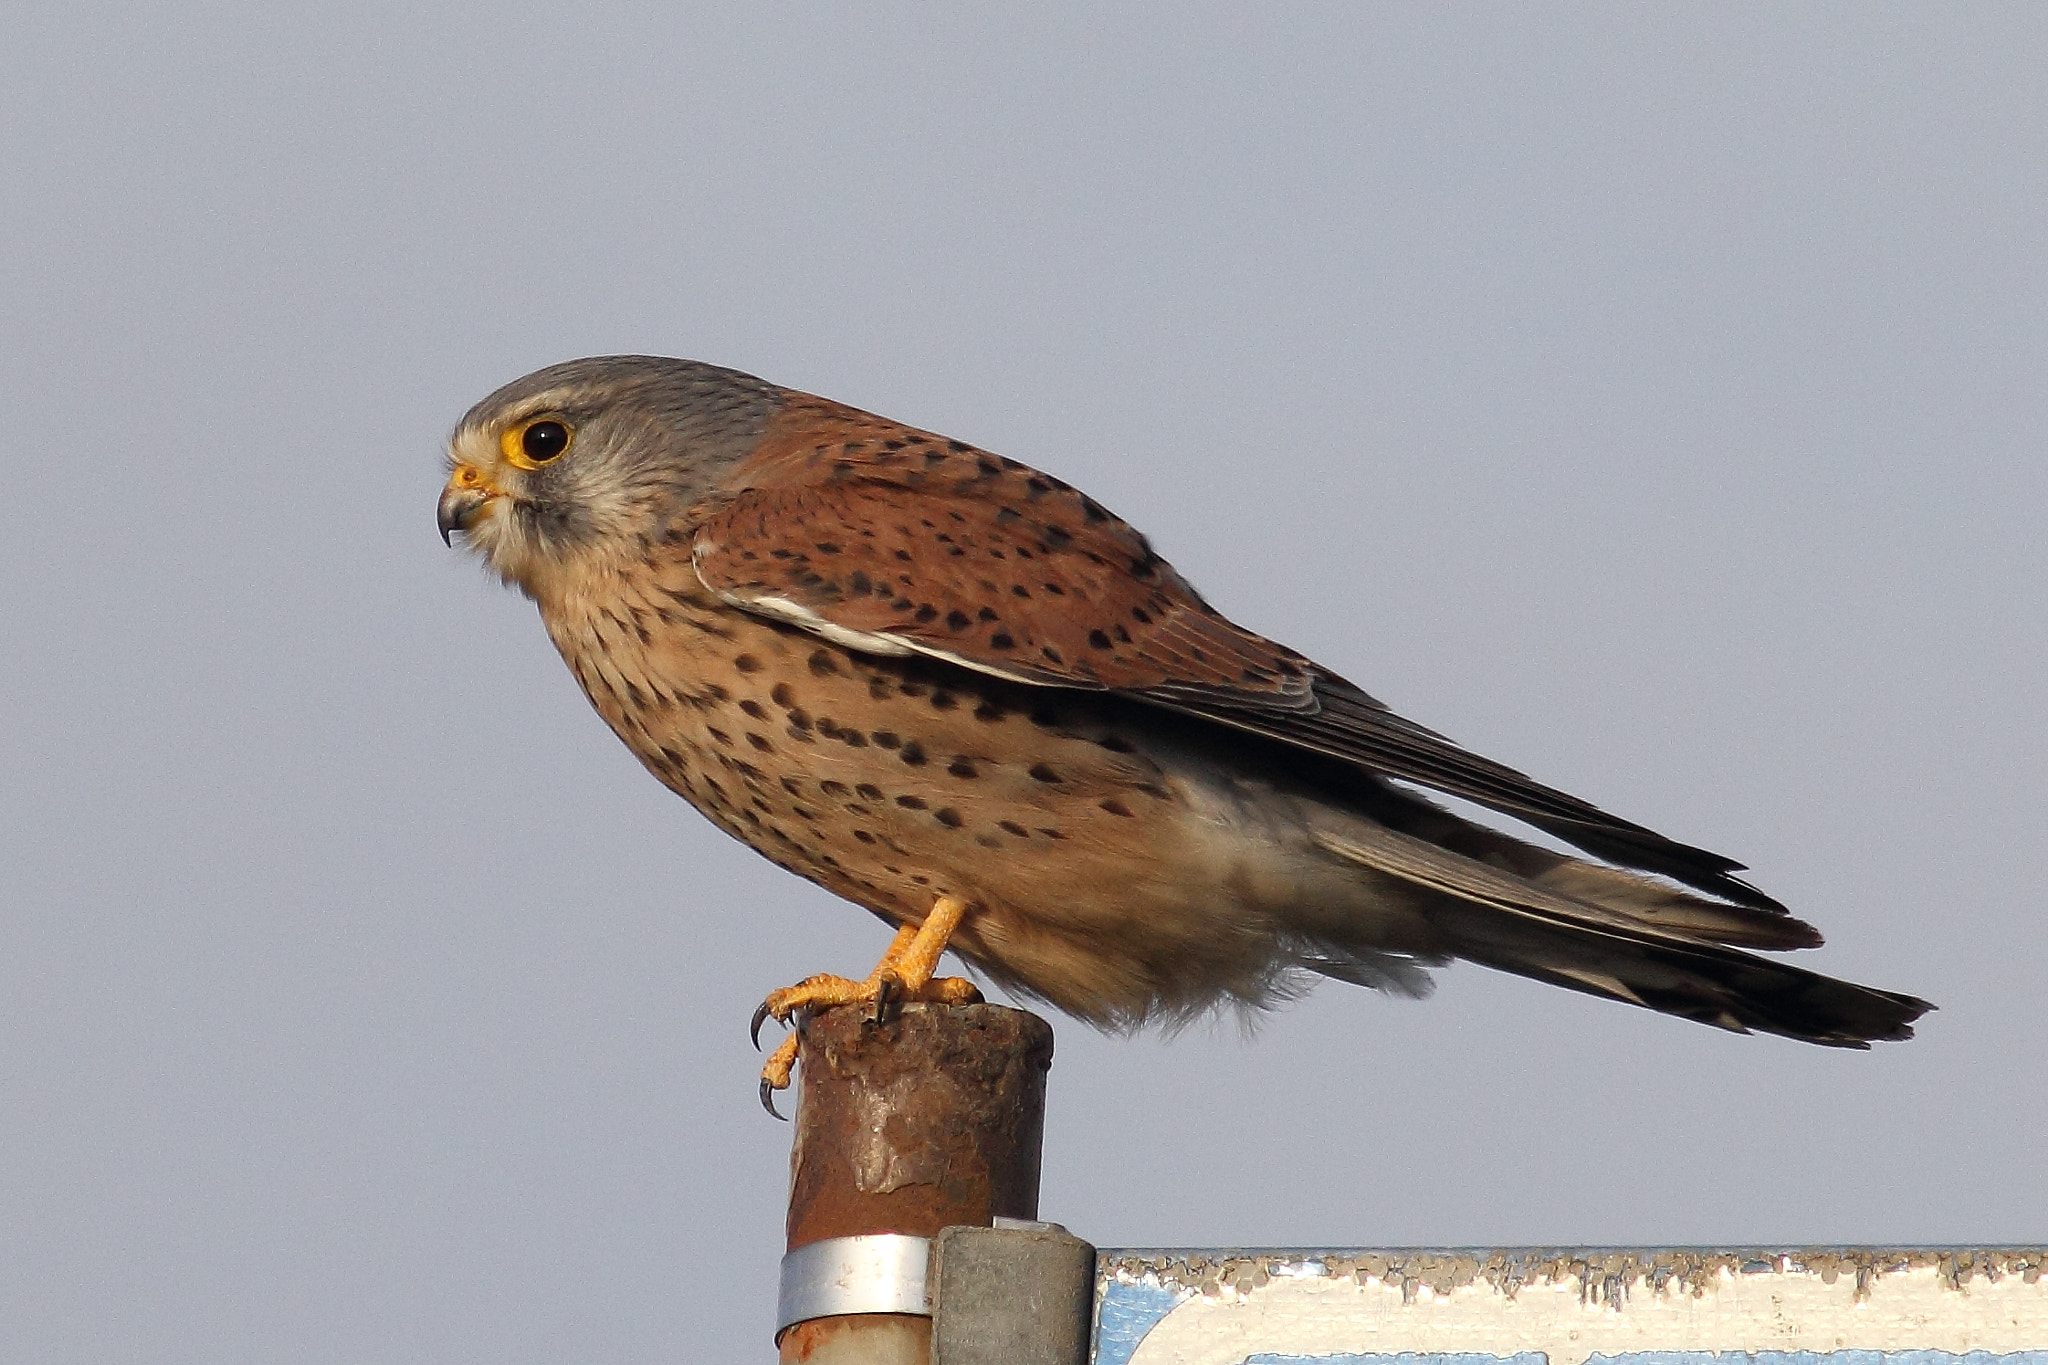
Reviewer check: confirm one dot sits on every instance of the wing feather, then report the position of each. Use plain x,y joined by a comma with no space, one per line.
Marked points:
892,540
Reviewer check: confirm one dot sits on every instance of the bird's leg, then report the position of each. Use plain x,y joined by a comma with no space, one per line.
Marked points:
907,972
904,975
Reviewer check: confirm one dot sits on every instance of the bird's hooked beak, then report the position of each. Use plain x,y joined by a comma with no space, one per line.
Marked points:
463,500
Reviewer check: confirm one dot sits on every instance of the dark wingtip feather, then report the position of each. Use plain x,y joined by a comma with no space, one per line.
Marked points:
1633,846
1354,728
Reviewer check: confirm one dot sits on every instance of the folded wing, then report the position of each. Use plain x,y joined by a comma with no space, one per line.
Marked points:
1039,584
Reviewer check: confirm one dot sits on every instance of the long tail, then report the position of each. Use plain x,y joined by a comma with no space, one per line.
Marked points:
1617,935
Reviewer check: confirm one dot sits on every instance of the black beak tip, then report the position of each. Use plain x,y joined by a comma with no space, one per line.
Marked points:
458,506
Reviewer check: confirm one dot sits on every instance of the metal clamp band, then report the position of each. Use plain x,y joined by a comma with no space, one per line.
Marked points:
882,1272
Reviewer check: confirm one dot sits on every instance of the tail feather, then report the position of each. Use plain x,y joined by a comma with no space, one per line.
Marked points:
1608,933
1708,984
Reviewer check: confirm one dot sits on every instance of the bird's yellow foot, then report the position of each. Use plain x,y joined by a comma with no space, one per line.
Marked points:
904,975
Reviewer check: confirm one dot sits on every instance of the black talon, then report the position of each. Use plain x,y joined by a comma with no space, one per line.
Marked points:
887,990
768,1099
754,1029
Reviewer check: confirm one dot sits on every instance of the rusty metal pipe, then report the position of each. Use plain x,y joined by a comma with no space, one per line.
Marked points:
931,1119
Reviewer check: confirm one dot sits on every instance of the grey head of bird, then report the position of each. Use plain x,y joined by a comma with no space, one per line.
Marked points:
570,467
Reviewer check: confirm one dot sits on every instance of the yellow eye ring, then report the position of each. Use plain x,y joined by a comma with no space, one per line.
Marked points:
535,442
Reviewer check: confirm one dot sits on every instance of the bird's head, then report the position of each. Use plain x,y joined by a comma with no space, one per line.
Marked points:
569,468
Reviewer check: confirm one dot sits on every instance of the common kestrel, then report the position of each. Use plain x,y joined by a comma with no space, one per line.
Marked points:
962,694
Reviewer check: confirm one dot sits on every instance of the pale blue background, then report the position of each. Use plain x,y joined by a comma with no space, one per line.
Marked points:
1650,396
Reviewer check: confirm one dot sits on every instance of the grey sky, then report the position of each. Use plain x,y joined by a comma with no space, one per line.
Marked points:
1650,397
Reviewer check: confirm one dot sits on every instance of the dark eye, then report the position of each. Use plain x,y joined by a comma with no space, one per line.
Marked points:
544,440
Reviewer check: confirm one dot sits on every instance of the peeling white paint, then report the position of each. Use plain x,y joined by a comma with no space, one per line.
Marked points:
1573,1307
